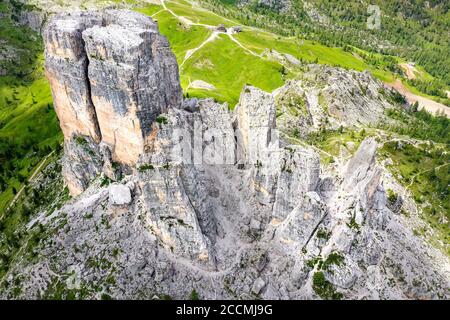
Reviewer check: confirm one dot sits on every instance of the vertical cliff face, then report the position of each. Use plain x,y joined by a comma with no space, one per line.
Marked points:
133,77
111,75
66,67
256,121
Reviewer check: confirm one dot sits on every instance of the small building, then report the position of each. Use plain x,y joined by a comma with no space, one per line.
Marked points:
221,28
237,29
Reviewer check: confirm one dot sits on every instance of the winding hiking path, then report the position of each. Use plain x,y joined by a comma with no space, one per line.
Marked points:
422,172
242,46
30,179
211,38
425,103
191,52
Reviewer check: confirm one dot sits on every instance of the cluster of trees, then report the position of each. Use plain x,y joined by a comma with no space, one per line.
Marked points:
414,30
380,61
10,155
11,226
27,44
430,174
420,125
433,88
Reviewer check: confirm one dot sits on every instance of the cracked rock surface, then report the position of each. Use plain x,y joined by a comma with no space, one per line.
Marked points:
236,212
111,75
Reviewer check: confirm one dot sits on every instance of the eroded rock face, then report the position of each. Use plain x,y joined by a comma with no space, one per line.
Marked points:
82,163
111,75
66,66
329,97
211,196
33,19
173,224
133,77
256,121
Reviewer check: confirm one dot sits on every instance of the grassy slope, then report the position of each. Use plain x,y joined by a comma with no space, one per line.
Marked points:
183,38
421,167
28,125
424,170
17,240
308,51
221,63
198,15
226,66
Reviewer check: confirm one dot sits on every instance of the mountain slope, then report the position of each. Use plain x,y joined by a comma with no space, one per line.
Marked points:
411,29
257,216
323,112
28,124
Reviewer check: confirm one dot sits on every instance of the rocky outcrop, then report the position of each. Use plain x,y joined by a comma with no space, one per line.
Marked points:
82,163
111,75
174,224
34,19
295,111
66,67
328,98
255,121
133,77
213,201
277,5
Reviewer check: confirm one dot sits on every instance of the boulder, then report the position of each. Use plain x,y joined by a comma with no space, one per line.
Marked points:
119,195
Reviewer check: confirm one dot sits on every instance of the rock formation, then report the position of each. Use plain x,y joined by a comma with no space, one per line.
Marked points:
111,75
327,98
35,20
204,198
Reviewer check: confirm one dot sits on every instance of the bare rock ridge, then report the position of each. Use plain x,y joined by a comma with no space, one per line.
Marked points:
111,75
201,197
328,97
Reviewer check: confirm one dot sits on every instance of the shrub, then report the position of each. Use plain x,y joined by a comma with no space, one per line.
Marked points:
353,224
81,141
323,234
146,167
324,288
392,197
162,120
334,258
194,295
106,296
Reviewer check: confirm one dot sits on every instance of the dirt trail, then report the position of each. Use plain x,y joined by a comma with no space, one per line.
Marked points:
425,171
36,171
409,70
191,52
213,36
200,84
242,46
428,104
